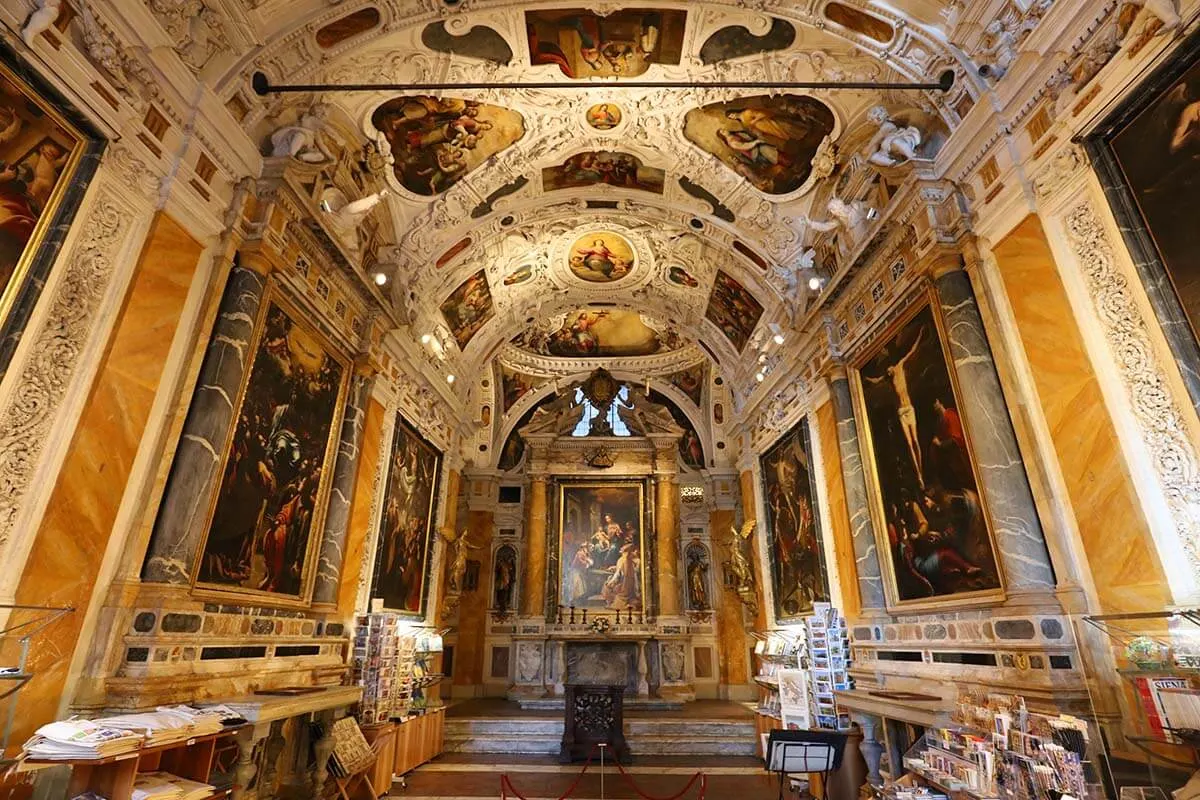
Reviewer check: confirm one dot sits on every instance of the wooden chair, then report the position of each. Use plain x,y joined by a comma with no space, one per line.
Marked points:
352,759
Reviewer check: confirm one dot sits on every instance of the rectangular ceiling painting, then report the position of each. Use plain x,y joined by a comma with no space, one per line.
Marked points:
622,44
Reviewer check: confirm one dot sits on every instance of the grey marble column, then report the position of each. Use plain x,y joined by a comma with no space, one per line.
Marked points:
866,555
195,472
337,514
1019,539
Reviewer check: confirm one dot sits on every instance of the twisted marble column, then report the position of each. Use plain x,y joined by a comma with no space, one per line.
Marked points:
337,514
195,472
866,555
1020,543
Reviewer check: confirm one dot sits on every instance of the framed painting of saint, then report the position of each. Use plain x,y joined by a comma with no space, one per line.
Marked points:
43,175
403,549
935,537
602,545
269,510
1147,154
798,574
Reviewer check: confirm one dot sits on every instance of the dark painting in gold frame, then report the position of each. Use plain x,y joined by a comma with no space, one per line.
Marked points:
268,514
602,545
40,152
404,548
931,521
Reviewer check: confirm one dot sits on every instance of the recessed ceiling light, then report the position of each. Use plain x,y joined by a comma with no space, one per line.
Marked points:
380,279
449,379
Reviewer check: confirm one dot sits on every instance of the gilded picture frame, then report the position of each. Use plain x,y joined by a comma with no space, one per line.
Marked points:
275,297
41,191
410,454
624,500
898,532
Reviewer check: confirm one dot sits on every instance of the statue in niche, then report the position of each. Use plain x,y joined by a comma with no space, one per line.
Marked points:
853,218
461,545
697,572
306,139
892,144
505,578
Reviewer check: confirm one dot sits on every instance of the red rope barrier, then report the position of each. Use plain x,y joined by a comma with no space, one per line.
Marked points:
506,784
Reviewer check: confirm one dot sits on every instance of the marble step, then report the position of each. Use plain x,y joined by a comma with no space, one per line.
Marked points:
645,736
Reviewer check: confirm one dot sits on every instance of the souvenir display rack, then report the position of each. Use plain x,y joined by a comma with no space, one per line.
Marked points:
774,652
998,750
828,665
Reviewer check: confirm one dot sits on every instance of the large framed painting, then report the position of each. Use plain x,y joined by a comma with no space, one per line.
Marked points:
269,511
930,515
797,556
1148,157
405,542
602,545
43,175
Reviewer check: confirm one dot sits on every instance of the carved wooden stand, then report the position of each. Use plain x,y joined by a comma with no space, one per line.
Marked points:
593,715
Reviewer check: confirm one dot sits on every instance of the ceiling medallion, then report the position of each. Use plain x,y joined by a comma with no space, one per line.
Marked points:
604,116
601,257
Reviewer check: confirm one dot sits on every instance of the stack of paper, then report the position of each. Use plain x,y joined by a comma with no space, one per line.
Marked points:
158,727
165,786
71,739
203,720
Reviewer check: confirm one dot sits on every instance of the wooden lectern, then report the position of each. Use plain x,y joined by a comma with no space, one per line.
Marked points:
593,715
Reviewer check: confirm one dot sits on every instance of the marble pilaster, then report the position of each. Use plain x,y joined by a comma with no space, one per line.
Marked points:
1020,542
337,514
533,586
195,472
866,556
666,523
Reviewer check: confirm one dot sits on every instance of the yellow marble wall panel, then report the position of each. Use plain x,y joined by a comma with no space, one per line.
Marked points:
749,512
1121,555
67,554
361,529
473,606
837,526
731,629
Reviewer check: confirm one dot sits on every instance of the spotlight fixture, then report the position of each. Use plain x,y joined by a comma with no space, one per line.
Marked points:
425,338
777,331
778,338
814,283
449,379
380,279
758,376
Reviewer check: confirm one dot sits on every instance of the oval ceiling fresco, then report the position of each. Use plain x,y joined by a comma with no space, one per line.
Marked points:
769,140
601,257
438,140
599,332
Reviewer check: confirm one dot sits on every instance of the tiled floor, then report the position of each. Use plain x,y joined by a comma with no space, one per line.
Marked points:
469,777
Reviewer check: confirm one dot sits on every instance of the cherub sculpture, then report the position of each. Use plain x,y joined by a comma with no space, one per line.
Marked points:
892,144
852,217
461,546
305,140
41,19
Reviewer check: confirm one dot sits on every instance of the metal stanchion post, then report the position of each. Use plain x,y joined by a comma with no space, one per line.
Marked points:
602,749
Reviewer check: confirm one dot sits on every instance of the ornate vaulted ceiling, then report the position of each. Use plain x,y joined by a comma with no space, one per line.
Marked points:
545,216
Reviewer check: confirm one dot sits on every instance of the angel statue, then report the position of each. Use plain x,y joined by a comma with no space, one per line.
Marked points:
305,140
739,565
892,144
790,280
852,217
346,218
461,545
45,15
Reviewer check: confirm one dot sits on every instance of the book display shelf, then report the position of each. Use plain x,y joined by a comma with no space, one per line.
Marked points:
775,653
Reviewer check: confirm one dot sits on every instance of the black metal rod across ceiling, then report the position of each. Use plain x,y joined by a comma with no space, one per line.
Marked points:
263,86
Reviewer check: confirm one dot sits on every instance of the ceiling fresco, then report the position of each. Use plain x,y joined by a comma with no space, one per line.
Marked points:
590,333
601,257
769,140
468,308
622,44
733,309
621,170
436,141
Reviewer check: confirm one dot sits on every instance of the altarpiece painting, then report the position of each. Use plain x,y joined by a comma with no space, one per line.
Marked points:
270,507
917,455
797,555
601,540
403,549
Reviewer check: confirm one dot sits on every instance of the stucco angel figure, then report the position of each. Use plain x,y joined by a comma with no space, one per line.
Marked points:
790,280
892,144
739,564
346,218
853,217
306,139
461,547
1001,52
41,19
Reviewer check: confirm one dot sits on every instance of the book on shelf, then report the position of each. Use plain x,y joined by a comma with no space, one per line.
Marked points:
165,786
79,740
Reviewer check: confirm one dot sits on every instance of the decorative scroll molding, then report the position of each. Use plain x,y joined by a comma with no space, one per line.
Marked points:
26,424
1160,419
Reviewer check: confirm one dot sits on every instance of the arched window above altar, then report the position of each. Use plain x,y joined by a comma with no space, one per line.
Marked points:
593,423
